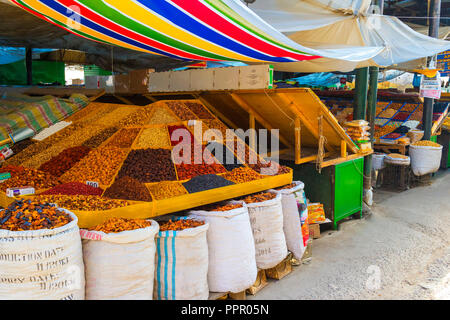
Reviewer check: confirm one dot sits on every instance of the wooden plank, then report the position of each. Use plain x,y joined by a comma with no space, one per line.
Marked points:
149,97
343,159
218,114
343,148
297,111
251,125
92,99
244,105
124,100
298,145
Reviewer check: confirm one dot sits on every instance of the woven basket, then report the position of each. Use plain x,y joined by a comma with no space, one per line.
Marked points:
415,135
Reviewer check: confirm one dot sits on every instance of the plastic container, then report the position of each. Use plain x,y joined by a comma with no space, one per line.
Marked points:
378,161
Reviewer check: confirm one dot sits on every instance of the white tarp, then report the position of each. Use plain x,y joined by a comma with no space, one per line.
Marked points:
318,23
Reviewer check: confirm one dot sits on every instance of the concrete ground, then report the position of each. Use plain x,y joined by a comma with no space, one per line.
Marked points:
400,251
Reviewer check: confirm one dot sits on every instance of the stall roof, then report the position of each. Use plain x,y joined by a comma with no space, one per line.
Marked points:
224,30
315,23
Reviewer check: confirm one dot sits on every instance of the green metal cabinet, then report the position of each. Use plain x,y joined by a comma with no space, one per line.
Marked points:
338,187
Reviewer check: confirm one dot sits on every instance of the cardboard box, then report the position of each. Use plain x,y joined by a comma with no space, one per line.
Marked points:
139,80
314,230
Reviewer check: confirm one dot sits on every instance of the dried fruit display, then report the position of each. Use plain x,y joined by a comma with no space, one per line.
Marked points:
242,175
166,189
181,111
259,197
149,165
58,165
182,133
100,165
154,138
115,225
206,182
127,188
206,165
21,177
138,118
220,207
82,203
199,110
180,225
162,115
74,188
124,138
24,215
99,138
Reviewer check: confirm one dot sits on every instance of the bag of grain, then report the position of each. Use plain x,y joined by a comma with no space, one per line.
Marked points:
232,262
40,264
291,217
181,260
425,157
120,265
266,218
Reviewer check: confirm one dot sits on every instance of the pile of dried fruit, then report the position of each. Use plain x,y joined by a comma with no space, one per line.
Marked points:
163,116
138,118
115,225
149,165
289,186
381,131
112,118
221,207
21,177
242,175
100,165
199,110
216,124
74,188
166,189
180,225
181,111
259,197
82,203
426,143
181,136
58,165
98,139
24,215
153,138
198,164
224,156
397,156
206,182
124,138
127,188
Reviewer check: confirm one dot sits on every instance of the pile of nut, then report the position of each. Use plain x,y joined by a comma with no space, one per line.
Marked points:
115,225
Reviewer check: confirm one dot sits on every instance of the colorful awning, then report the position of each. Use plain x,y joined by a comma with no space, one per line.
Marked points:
206,30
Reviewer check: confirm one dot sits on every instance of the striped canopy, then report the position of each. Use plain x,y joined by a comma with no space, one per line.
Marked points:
207,30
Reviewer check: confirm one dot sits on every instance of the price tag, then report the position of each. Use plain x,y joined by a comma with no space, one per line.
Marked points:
92,184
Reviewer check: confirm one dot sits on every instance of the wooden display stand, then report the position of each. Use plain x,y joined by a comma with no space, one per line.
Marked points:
281,270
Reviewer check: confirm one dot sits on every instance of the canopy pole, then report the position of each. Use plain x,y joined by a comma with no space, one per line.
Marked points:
29,65
427,118
360,102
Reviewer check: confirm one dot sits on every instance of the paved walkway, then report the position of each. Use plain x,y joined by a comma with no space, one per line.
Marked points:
401,251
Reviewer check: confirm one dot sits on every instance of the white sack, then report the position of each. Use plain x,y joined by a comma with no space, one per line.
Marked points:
291,219
425,159
42,264
266,219
231,248
120,265
182,265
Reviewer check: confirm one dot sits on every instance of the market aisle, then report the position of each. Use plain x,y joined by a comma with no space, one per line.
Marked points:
405,241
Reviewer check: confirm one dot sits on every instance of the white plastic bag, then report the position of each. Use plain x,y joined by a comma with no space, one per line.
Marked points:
120,265
42,264
231,247
425,159
182,264
291,219
266,219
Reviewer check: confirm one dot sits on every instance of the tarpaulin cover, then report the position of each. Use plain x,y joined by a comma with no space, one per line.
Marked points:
207,30
11,54
19,111
315,23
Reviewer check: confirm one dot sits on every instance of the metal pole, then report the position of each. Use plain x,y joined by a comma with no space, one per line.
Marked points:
433,31
360,102
29,65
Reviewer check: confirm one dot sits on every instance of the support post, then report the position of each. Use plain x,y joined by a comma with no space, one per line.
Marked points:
360,103
371,113
29,65
427,119
298,143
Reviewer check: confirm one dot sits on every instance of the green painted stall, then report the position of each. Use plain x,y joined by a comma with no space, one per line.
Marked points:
338,187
